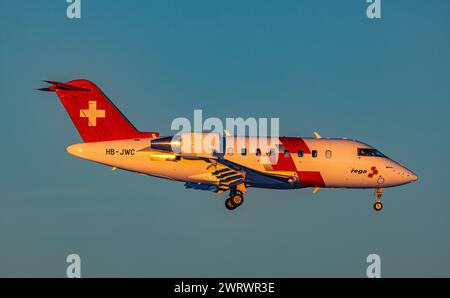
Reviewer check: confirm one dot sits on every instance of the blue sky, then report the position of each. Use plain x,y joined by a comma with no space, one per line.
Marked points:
317,65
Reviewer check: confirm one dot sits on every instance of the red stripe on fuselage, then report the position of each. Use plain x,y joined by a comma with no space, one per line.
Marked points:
287,163
310,179
307,178
295,144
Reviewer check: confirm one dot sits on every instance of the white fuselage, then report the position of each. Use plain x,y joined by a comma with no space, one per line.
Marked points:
335,163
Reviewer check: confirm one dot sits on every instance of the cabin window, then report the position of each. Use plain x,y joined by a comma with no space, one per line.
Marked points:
287,153
300,153
230,151
258,152
314,153
244,151
328,154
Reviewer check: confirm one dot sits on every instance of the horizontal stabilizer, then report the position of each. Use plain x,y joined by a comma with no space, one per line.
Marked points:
57,86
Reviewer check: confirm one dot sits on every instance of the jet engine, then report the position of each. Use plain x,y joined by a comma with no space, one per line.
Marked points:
190,144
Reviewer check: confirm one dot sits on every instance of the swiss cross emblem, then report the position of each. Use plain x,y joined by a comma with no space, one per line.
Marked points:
373,172
92,113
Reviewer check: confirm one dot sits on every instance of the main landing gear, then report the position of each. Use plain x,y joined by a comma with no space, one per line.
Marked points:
235,200
378,194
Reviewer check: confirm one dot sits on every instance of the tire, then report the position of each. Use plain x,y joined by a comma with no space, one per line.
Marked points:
378,206
237,199
229,204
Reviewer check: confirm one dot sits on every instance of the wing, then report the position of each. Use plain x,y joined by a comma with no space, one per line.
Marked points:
230,174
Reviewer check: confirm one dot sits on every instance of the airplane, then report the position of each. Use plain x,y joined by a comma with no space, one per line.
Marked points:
245,162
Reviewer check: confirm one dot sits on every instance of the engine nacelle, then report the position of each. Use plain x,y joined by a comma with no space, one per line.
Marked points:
190,144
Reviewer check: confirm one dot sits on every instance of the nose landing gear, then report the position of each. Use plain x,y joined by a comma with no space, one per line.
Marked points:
378,194
378,206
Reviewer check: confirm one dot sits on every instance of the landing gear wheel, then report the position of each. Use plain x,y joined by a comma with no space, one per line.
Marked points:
378,194
237,199
378,206
229,204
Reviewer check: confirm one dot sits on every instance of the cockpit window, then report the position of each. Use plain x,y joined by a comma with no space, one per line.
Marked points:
370,152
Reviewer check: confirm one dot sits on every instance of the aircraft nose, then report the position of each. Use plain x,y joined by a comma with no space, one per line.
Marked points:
401,175
414,177
410,175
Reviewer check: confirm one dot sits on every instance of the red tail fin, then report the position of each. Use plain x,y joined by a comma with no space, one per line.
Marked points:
93,114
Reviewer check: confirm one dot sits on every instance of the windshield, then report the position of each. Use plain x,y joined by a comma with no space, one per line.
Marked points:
370,152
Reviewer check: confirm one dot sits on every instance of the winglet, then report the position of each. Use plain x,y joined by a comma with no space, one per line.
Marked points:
317,135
